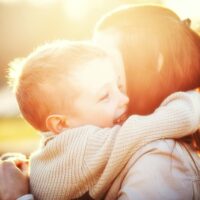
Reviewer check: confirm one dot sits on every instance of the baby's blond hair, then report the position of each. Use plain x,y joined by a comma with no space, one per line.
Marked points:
38,77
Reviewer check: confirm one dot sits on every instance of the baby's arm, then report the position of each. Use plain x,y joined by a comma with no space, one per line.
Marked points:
179,115
93,156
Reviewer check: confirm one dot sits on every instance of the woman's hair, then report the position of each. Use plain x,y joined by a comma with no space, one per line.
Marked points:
161,53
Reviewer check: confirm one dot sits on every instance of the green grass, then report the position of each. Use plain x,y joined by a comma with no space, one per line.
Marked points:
17,135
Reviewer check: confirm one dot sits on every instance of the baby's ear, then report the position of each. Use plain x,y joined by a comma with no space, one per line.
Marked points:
56,123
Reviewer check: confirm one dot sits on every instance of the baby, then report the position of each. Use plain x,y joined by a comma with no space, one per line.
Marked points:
74,94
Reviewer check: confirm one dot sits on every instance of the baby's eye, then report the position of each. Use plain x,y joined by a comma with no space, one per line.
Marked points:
104,97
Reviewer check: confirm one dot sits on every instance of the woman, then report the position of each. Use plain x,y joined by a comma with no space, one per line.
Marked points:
161,55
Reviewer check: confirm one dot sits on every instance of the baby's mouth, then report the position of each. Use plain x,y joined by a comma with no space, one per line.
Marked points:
121,119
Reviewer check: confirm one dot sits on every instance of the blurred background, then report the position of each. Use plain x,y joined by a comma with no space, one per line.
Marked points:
25,24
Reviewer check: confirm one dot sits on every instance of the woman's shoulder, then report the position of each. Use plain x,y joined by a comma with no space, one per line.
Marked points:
161,145
171,152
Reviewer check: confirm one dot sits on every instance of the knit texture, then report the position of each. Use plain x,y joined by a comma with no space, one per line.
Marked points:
89,158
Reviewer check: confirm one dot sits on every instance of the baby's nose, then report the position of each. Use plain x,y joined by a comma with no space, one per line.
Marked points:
124,100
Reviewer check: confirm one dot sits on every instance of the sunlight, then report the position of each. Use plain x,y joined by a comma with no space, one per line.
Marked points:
10,1
185,8
41,3
77,9
33,2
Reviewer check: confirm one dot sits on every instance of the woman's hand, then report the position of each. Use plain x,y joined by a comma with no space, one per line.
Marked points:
18,159
14,183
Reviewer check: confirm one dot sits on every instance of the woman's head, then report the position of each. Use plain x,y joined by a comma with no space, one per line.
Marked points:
161,53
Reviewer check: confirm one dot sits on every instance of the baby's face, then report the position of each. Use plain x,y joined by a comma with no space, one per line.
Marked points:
101,95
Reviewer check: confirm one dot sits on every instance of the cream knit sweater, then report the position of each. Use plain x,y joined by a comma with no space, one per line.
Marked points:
89,158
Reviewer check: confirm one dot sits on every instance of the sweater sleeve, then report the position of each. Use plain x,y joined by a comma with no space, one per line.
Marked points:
110,149
90,158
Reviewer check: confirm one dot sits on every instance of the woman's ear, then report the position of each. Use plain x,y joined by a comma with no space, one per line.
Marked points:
56,123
